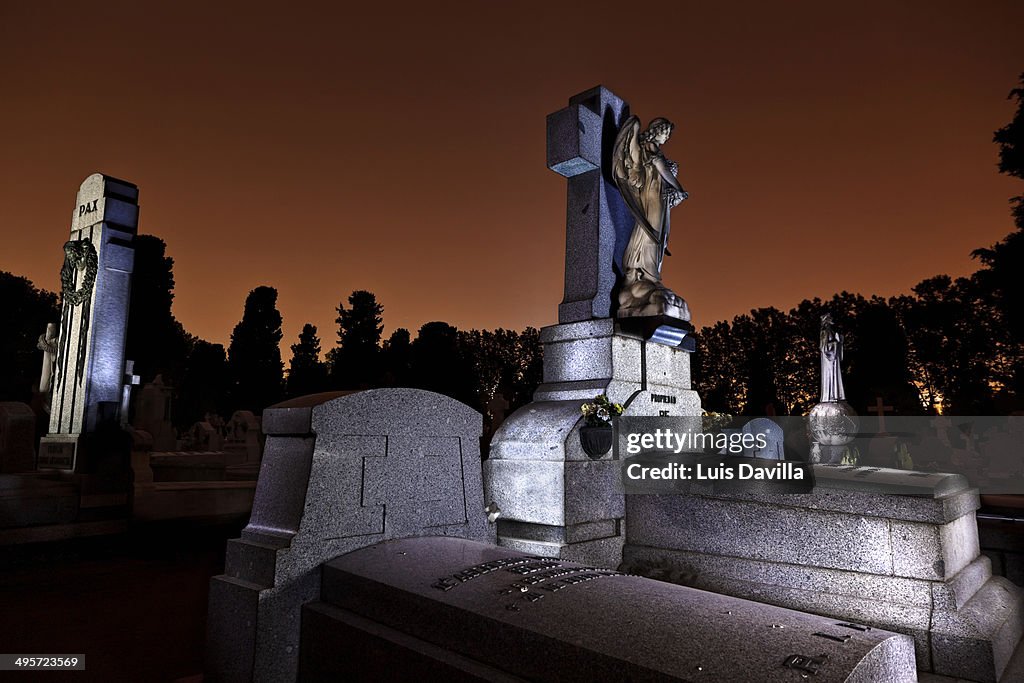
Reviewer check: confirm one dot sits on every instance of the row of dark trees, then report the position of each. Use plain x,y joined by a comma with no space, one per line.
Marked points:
472,366
24,312
954,345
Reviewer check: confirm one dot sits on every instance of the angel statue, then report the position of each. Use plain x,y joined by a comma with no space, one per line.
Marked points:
647,182
831,353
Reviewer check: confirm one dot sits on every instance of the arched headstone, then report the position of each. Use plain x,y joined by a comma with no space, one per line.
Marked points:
339,472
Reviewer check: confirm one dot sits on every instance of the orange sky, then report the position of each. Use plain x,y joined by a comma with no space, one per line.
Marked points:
400,149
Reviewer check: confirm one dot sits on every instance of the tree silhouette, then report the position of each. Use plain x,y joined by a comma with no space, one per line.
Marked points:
254,357
438,364
951,335
1010,139
877,364
24,314
503,361
397,355
155,340
307,374
1004,261
205,385
529,371
355,362
770,358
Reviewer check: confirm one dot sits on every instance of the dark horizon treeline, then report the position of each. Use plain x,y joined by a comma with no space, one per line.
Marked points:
944,349
955,346
472,366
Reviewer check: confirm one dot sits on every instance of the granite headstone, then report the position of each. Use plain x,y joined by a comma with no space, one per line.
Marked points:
774,439
339,472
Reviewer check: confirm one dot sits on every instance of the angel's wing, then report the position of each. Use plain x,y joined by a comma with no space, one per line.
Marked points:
629,172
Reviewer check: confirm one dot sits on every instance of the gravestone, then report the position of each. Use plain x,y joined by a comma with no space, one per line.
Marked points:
17,438
96,288
338,473
774,439
243,436
554,499
449,609
203,436
153,414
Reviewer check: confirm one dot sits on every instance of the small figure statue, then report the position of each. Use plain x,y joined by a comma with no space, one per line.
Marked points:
831,354
647,182
832,422
48,345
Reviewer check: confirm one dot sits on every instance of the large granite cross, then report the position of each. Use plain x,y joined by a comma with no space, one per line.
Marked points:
597,223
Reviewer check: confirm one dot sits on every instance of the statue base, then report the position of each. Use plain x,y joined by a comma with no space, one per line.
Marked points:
646,298
661,329
555,499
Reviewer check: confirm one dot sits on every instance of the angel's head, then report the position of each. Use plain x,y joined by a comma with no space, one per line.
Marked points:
658,131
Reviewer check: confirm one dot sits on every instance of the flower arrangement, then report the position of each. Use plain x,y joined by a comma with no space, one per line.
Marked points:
711,421
600,411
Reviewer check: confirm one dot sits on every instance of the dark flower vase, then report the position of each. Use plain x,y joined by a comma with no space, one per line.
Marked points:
596,440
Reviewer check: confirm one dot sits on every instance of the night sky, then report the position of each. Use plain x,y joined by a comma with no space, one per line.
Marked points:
398,147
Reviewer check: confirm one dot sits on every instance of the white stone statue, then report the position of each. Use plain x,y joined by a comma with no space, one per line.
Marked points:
831,354
48,345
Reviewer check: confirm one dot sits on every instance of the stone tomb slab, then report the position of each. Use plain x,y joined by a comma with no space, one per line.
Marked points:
889,481
454,607
893,549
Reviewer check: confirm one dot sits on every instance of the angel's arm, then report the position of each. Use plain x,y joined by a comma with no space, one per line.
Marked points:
659,163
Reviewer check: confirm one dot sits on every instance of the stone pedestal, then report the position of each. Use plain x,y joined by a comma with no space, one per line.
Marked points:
909,563
554,499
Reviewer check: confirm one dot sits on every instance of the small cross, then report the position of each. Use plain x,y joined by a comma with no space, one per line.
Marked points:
130,380
881,409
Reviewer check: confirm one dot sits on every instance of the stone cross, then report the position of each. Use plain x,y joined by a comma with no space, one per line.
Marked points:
597,224
130,380
96,288
881,409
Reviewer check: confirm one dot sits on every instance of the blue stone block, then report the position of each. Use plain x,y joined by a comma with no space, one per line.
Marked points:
574,141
